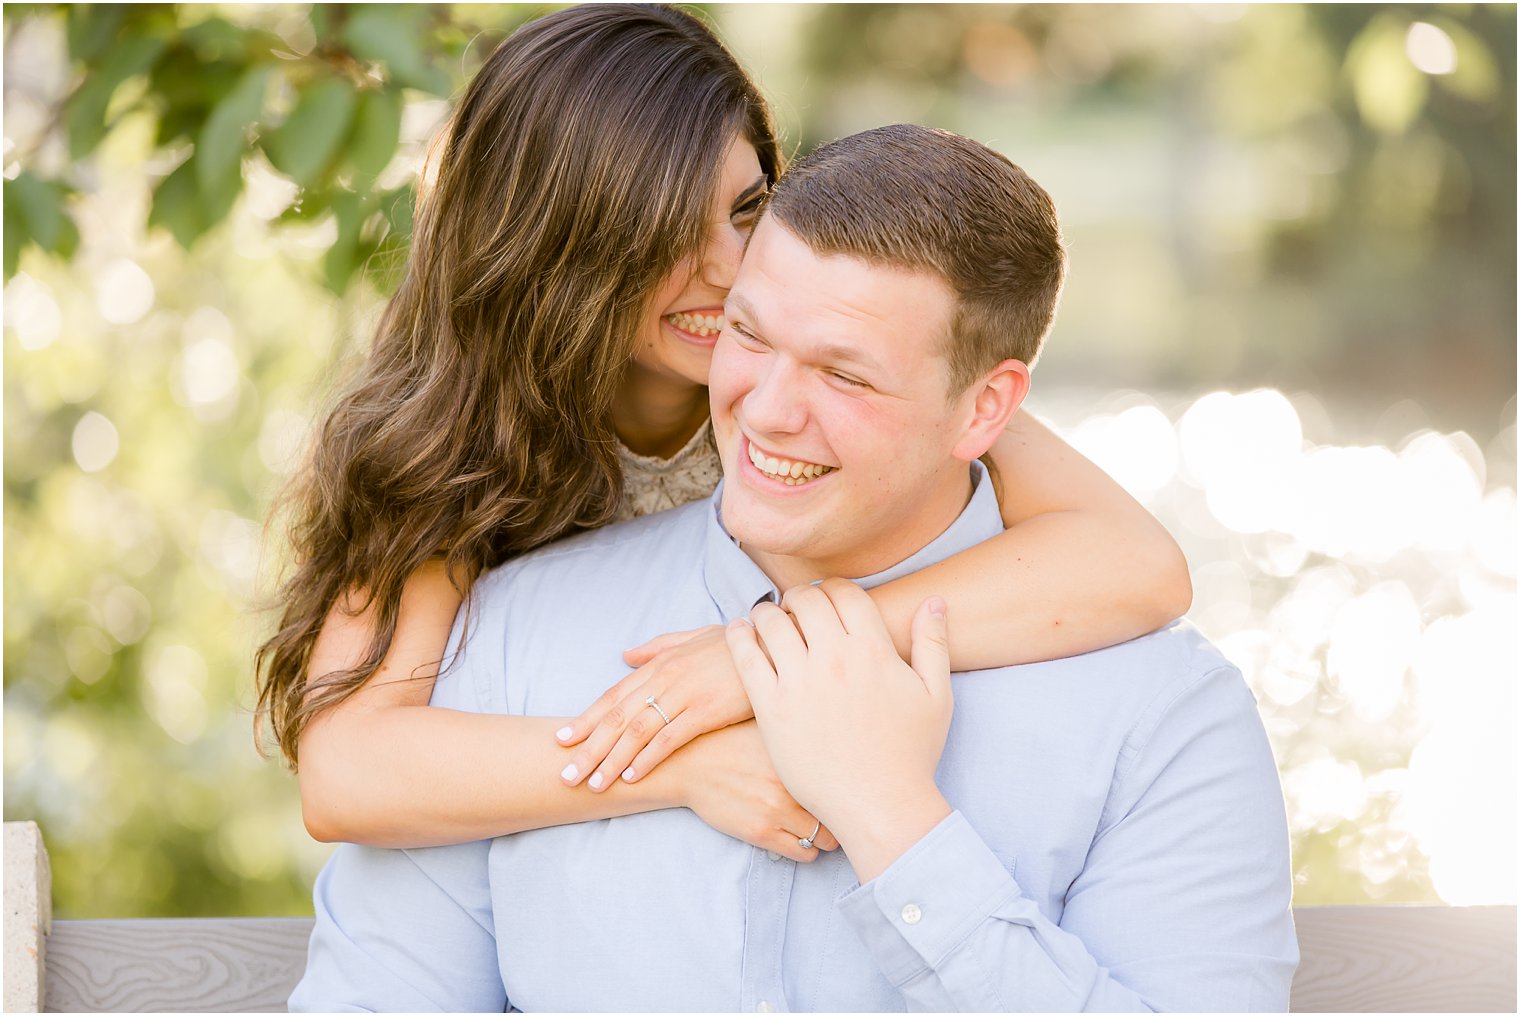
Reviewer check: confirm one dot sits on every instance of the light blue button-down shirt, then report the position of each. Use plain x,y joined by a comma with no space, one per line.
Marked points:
1118,840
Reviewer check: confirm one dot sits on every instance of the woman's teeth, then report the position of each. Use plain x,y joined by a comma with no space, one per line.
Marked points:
698,324
793,474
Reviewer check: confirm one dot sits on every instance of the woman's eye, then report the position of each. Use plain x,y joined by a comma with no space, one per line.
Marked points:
745,213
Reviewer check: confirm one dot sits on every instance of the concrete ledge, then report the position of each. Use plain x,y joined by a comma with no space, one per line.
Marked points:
28,916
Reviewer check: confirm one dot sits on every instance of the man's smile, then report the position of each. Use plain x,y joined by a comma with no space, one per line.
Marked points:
792,472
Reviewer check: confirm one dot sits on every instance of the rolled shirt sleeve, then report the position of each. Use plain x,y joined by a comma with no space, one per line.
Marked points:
1183,903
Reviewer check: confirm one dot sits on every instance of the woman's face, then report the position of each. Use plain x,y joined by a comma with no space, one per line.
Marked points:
686,314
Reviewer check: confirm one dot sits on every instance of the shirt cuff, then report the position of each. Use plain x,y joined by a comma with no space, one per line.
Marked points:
915,913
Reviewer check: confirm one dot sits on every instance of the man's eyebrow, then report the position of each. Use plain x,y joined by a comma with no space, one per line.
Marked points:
825,352
833,352
743,307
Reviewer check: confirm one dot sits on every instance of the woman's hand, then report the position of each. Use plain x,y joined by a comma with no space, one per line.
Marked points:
734,788
690,674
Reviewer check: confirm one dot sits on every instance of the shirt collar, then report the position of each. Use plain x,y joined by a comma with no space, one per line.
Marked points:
736,583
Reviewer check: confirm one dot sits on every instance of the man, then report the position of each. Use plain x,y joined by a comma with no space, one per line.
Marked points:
1104,832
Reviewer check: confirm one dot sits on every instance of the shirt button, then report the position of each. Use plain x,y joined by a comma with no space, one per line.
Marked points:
774,857
764,1007
911,913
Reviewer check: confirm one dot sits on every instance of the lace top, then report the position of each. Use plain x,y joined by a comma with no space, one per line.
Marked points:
652,484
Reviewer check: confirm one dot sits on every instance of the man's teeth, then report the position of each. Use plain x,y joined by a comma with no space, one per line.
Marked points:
793,474
697,324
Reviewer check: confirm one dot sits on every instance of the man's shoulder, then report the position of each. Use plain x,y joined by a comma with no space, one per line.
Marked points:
1129,688
1178,649
1178,652
1154,670
1172,665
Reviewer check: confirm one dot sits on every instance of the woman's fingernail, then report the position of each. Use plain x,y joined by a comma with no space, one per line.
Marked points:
596,781
936,607
563,733
629,774
569,772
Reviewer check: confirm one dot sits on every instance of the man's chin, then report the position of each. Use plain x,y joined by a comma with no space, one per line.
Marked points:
758,530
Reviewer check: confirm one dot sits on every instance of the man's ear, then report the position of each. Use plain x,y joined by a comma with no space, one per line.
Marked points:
992,402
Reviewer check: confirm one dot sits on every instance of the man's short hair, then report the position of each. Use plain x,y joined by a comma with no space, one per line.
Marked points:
921,199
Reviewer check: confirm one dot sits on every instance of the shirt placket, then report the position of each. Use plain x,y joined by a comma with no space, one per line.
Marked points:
767,898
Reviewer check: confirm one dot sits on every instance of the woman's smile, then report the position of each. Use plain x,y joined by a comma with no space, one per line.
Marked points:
700,325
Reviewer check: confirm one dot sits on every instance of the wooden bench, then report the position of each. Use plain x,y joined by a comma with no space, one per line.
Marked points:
1355,959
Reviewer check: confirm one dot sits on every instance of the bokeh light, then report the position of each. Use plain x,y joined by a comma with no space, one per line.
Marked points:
124,292
95,442
1430,49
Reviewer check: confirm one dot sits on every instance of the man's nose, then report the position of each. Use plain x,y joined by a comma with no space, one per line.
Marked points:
775,403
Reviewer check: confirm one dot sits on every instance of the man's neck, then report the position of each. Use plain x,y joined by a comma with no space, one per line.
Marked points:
940,511
656,415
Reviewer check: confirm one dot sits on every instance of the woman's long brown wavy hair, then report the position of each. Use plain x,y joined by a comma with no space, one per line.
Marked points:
578,173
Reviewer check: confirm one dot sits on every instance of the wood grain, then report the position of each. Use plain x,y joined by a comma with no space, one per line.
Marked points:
1355,959
1405,959
245,964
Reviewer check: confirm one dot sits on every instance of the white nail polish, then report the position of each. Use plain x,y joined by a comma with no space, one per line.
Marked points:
596,781
569,772
563,733
629,774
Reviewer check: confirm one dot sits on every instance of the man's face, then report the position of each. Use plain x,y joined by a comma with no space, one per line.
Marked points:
830,371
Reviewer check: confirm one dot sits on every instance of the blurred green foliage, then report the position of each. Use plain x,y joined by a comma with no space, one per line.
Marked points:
204,206
326,114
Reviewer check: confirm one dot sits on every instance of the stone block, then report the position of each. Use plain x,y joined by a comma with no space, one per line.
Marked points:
28,915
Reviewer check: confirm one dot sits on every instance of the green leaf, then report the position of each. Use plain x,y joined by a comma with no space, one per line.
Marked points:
68,238
91,27
384,254
398,207
177,205
86,116
377,128
342,257
38,206
386,267
185,79
35,214
190,89
216,37
309,205
15,236
304,145
327,19
219,150
178,122
393,36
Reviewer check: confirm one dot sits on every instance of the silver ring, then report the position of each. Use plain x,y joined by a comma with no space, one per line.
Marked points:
656,706
806,843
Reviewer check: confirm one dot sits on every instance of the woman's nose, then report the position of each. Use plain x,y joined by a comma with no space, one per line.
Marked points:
720,261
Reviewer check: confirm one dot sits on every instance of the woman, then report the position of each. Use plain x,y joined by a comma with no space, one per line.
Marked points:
542,370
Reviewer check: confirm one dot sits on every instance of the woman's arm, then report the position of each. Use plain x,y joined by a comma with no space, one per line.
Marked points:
384,769
373,769
1081,565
